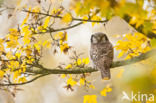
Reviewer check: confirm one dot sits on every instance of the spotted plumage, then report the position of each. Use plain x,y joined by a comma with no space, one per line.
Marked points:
101,54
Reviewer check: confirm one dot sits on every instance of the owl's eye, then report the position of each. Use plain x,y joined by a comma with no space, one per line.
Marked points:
103,39
94,40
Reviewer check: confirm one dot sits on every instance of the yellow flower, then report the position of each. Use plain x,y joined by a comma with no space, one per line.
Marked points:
59,35
26,18
46,22
92,86
16,74
133,45
14,31
121,54
28,51
22,80
68,66
85,18
79,62
63,75
37,45
82,81
55,11
46,43
90,99
1,73
18,55
64,47
67,18
71,82
27,35
36,9
97,18
41,28
85,60
12,43
105,90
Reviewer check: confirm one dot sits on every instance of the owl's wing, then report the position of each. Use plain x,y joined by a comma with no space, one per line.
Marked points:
105,61
108,52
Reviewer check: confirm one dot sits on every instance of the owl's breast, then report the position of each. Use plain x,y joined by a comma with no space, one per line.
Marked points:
95,52
98,51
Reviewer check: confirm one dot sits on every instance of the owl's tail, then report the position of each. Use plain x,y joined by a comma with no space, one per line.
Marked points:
105,74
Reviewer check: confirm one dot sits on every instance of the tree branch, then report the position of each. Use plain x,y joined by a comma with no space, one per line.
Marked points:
46,71
77,70
60,17
126,18
15,84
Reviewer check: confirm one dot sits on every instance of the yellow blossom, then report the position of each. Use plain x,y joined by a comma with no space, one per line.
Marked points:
67,18
13,41
63,75
85,60
59,35
38,45
1,73
27,35
14,32
96,18
36,9
28,51
46,22
133,45
55,11
92,86
79,61
90,99
64,47
22,80
18,55
82,81
71,82
26,18
68,66
105,90
46,43
16,74
85,18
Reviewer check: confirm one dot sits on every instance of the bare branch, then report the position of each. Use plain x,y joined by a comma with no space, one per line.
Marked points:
15,84
60,17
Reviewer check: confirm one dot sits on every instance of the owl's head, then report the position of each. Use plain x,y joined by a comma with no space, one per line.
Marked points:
99,38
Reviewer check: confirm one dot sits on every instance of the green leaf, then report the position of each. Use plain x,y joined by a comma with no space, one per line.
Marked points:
153,42
147,27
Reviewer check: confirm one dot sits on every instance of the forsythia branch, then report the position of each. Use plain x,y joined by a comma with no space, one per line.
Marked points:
126,18
43,71
15,84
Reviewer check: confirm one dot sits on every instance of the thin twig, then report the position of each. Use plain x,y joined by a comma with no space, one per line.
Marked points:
15,84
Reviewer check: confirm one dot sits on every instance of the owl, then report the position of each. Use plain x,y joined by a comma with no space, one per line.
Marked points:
101,53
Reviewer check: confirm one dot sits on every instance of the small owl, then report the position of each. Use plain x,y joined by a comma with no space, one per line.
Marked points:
101,54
